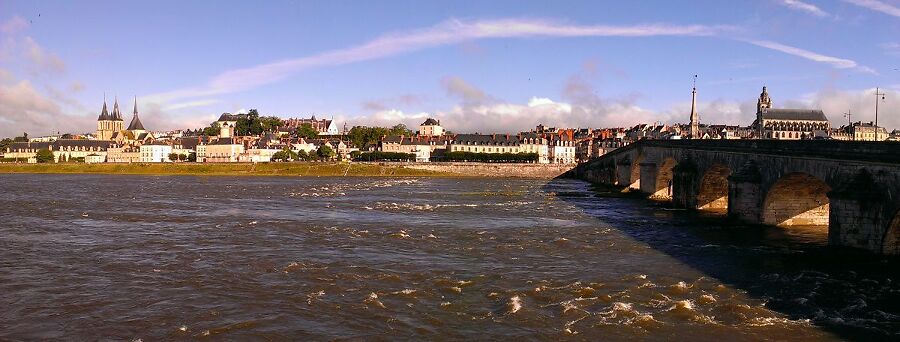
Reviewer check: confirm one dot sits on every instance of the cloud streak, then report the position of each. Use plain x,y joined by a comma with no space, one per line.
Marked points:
835,62
878,6
805,7
449,32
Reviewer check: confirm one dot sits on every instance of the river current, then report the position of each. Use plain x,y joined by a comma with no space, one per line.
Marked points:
96,257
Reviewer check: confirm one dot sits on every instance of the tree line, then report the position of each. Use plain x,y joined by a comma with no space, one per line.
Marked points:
492,157
324,152
382,156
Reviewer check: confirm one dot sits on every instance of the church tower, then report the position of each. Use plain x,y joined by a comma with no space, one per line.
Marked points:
104,123
117,123
695,119
764,103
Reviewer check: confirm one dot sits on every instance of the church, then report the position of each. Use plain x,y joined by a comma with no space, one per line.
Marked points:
111,126
786,124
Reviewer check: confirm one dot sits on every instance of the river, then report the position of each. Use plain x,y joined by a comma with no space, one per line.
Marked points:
89,257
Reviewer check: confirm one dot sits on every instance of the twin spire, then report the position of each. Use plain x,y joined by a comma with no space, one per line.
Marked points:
116,115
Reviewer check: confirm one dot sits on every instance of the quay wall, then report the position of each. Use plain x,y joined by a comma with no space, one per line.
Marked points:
500,170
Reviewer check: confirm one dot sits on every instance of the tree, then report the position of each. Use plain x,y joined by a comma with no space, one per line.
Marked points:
325,152
212,130
249,124
44,156
270,123
306,131
4,144
400,129
66,136
182,157
192,157
302,155
173,156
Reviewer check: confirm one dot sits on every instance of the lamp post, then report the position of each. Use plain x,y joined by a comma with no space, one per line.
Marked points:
849,123
877,93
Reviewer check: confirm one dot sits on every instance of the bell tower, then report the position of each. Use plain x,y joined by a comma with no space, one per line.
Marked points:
764,103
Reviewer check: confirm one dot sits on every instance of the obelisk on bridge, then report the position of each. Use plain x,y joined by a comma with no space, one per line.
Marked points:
695,120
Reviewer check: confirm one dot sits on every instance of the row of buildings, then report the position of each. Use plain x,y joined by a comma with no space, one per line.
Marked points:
115,143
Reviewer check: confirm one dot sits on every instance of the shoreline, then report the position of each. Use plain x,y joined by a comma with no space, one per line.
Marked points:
291,169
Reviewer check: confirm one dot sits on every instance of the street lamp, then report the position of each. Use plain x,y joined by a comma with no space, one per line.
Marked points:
876,110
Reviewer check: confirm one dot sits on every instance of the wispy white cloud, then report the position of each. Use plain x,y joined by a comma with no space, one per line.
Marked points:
449,32
892,49
804,7
190,104
836,62
876,5
13,25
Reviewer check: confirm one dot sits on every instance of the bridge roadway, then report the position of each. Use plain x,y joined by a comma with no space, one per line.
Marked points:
853,188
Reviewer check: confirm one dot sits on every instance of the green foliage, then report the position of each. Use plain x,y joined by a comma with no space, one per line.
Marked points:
382,156
491,157
66,136
285,155
400,129
44,156
270,123
302,155
182,157
192,157
249,124
325,152
4,144
212,130
364,137
306,131
173,156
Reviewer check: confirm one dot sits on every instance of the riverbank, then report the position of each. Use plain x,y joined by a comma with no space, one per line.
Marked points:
226,169
312,169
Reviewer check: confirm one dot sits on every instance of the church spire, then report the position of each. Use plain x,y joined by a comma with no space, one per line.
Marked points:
136,124
695,124
104,114
116,114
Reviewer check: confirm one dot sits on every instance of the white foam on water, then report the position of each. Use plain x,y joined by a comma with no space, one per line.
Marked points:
373,299
405,291
514,304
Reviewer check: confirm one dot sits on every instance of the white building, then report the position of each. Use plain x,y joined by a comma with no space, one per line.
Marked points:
431,128
562,151
222,151
155,153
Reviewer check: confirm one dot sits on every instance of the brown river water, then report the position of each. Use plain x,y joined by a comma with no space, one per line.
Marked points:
106,257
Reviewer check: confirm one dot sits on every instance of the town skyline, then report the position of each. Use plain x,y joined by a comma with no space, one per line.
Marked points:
478,69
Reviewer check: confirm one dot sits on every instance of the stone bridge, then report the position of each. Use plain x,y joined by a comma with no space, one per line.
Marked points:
852,188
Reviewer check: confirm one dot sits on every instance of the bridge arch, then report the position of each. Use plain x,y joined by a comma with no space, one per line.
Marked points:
797,199
664,177
713,192
891,243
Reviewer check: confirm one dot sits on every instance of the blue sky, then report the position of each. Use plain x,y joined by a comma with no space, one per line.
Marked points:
479,66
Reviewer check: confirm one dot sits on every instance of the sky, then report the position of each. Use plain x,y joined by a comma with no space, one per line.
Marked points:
478,66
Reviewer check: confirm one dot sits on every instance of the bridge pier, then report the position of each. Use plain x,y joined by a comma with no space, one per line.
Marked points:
745,194
648,178
623,172
685,184
858,215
